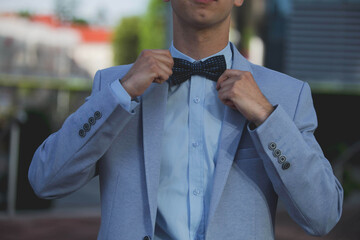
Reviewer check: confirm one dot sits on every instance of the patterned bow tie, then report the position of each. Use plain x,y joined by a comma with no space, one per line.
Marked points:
211,68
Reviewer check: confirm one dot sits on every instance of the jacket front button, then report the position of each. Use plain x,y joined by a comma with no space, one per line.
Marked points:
147,238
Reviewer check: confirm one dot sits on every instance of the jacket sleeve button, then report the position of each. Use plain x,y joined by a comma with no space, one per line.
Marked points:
97,115
285,165
277,153
86,127
82,133
281,159
92,121
272,146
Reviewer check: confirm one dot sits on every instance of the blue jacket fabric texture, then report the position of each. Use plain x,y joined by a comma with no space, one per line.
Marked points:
123,149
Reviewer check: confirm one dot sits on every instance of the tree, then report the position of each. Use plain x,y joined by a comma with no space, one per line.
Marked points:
66,10
25,14
153,26
134,34
126,40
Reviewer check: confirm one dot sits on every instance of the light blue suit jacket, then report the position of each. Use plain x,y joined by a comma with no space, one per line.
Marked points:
124,150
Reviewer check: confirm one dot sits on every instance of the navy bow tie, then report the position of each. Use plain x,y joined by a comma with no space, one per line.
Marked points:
211,68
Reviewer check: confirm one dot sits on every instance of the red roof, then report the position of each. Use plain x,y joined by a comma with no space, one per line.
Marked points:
89,34
94,35
46,19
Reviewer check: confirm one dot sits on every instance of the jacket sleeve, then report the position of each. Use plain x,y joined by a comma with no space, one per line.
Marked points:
301,175
67,159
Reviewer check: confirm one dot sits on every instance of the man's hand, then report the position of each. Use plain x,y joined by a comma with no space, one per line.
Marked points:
150,66
238,90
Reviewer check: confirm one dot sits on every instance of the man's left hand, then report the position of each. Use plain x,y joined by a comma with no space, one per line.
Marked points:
238,90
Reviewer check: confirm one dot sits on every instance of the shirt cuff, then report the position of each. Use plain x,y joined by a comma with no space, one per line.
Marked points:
123,97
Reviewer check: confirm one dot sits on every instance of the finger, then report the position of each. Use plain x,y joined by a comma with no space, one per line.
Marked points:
222,94
229,73
219,82
226,75
155,51
227,83
158,69
164,53
169,61
165,68
161,74
157,80
225,88
230,104
227,101
226,94
161,51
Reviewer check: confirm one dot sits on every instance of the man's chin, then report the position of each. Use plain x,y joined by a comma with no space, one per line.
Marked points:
200,24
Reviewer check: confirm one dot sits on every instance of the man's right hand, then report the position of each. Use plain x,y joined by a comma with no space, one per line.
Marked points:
150,66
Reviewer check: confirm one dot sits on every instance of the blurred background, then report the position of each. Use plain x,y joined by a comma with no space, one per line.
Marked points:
51,49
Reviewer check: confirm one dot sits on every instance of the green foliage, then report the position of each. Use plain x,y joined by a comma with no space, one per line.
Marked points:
25,14
349,184
246,37
153,26
79,21
126,40
134,34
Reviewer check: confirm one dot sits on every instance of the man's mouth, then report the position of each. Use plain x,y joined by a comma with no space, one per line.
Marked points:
204,1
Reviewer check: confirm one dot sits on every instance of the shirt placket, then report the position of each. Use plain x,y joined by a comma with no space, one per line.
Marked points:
196,156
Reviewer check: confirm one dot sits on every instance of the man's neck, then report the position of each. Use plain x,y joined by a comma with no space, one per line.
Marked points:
200,43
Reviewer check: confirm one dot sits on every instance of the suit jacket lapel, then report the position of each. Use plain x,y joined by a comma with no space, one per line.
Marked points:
153,113
231,131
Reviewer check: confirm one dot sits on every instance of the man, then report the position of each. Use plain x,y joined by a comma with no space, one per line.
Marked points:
194,158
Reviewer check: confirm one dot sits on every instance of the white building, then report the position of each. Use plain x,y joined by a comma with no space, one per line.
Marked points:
42,46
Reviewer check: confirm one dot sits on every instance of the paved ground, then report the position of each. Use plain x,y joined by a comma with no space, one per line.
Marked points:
50,229
53,227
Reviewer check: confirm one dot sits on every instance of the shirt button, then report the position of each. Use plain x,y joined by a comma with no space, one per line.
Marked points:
195,144
196,192
196,100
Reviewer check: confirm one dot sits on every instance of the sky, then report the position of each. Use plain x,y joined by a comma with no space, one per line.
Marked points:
87,9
